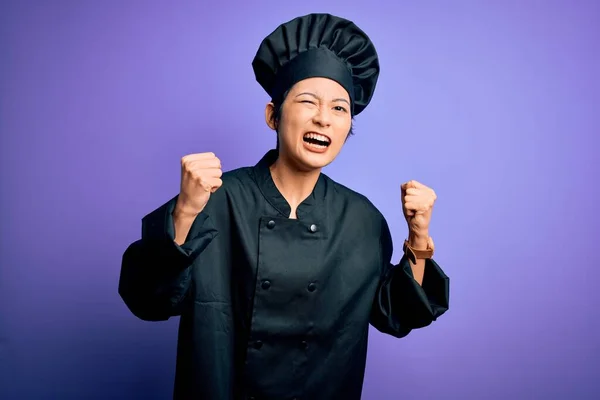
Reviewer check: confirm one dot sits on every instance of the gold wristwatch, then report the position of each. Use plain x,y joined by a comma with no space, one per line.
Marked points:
414,254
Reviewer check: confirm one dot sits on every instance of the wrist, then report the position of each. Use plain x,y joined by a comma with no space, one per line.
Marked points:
184,211
418,239
418,247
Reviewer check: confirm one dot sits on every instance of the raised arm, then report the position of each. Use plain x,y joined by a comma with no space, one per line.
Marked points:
401,303
156,270
415,292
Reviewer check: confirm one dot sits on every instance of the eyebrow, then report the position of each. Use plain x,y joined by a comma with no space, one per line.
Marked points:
315,96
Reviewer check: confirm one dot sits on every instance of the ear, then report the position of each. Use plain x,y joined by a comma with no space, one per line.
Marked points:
269,114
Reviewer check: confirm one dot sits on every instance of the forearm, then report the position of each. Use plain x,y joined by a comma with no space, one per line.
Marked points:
409,295
182,222
418,241
403,304
155,272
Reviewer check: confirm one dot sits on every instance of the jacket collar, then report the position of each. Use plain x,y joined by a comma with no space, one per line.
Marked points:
313,205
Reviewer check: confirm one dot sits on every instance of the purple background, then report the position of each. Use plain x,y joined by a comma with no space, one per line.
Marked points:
493,104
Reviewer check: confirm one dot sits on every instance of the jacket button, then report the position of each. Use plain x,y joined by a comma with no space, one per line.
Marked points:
258,344
304,344
313,228
271,224
312,287
266,285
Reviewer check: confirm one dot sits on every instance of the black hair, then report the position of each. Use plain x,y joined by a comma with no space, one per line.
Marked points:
278,106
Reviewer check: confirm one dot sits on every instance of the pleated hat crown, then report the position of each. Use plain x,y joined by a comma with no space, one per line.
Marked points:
318,45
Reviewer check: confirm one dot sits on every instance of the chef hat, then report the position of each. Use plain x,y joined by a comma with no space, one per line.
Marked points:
318,45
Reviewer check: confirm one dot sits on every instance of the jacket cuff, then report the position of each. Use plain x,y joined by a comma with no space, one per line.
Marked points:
433,293
158,226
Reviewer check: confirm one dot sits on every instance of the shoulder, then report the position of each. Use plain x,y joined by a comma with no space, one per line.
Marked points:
235,186
236,177
355,203
238,181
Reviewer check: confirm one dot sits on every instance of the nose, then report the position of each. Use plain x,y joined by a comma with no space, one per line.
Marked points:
322,117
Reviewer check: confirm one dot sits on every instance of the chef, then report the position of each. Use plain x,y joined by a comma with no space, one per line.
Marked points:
276,270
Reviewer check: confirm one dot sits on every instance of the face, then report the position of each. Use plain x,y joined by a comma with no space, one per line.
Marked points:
315,122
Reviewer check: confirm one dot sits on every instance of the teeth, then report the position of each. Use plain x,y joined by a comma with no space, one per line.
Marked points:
317,137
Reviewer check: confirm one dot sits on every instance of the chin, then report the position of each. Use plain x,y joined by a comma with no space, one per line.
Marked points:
307,160
313,160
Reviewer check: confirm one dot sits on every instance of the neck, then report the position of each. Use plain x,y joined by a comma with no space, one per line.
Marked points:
294,183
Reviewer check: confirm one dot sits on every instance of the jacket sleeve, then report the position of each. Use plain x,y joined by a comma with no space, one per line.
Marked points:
156,271
401,304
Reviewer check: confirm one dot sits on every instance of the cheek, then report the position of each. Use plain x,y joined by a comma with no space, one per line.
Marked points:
295,126
343,129
295,117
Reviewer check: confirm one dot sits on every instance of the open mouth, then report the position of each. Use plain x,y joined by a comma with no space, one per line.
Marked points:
317,139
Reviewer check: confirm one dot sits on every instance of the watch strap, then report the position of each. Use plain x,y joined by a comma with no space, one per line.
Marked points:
418,254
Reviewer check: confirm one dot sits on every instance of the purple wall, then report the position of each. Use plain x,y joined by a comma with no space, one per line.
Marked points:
99,100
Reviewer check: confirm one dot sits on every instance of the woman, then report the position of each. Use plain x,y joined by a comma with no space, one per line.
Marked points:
276,270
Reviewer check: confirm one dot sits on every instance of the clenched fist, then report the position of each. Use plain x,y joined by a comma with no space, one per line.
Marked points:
200,176
417,204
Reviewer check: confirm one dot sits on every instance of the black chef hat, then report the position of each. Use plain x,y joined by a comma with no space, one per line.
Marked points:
318,45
